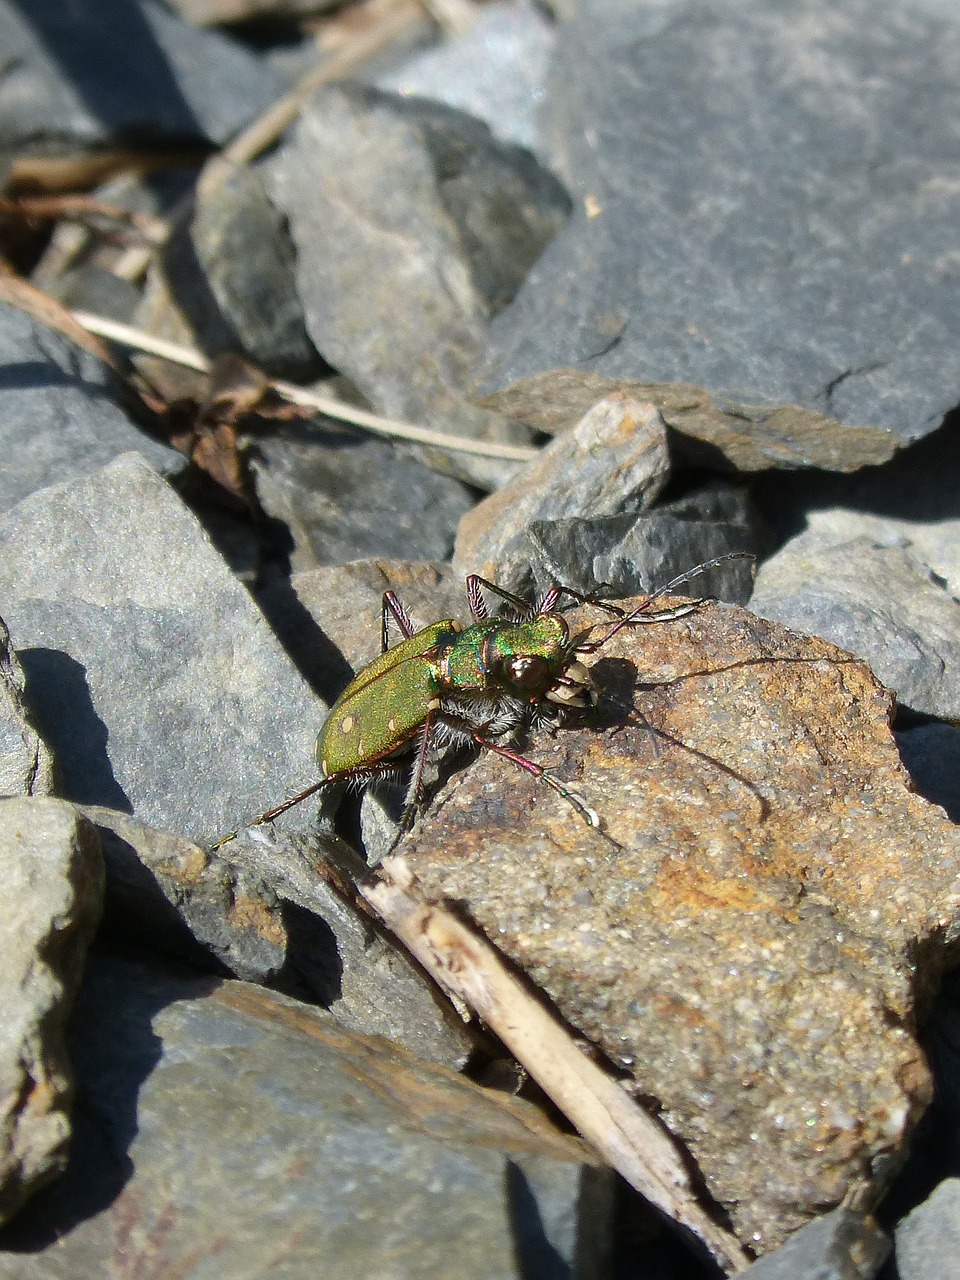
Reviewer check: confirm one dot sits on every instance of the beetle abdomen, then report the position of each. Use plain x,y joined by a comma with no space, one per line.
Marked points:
385,705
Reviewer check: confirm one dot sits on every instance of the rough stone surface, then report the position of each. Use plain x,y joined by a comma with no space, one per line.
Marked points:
345,497
52,886
338,958
261,910
228,1131
768,207
703,431
234,276
124,70
496,70
617,555
913,503
27,765
878,602
928,1239
151,673
841,1245
614,460
412,225
167,893
58,415
751,946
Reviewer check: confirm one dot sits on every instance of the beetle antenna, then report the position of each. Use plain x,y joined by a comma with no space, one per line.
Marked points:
663,615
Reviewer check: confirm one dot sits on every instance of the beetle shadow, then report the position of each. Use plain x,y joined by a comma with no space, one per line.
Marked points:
614,713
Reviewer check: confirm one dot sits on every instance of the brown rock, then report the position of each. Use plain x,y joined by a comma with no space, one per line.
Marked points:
728,436
745,939
614,459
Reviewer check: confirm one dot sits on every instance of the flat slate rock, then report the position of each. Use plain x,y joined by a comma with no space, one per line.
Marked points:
842,1245
748,938
58,412
768,207
495,70
261,910
412,225
225,1130
232,275
345,496
121,71
928,1239
152,674
51,886
879,602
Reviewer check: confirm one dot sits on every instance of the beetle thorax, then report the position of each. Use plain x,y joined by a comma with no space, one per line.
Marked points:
511,666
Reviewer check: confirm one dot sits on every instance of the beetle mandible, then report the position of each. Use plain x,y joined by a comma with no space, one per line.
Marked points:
468,685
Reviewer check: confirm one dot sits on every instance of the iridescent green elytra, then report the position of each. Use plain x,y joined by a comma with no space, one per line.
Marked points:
470,685
391,699
385,704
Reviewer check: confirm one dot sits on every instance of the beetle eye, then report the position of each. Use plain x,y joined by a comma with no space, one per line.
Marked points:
529,671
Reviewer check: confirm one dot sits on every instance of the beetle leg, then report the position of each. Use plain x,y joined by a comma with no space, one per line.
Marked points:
415,789
391,605
552,597
478,606
590,816
366,773
269,814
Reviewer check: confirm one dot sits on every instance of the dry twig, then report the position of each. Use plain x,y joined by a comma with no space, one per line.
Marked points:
137,340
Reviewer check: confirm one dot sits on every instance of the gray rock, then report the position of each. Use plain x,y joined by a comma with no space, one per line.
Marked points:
52,885
338,958
841,1245
614,460
232,273
912,503
412,226
878,602
82,76
495,71
259,910
168,894
769,207
344,497
928,1239
58,412
233,1132
27,765
628,553
151,673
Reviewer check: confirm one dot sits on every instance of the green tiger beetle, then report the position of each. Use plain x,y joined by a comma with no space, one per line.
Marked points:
451,684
